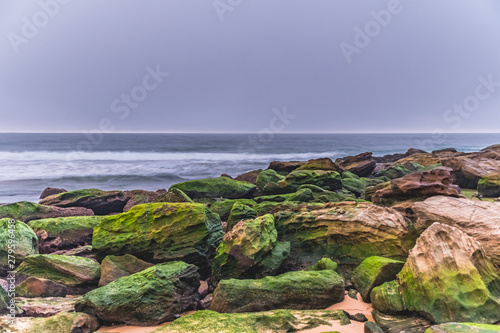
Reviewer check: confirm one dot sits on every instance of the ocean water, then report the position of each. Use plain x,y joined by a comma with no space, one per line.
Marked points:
31,162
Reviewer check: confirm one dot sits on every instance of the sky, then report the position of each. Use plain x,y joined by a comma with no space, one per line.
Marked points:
249,66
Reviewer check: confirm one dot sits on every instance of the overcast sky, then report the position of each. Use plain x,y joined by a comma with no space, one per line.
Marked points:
336,66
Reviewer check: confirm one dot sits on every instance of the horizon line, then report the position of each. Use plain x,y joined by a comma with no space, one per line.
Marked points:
221,132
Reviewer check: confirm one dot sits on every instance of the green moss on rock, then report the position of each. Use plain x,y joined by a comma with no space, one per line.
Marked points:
173,195
463,328
238,213
220,187
387,299
329,180
325,263
267,177
23,241
489,185
223,208
26,211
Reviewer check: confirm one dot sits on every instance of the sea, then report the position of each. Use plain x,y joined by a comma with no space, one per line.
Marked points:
30,162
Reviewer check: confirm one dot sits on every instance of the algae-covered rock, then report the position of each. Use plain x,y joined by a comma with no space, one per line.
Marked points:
220,187
64,232
320,164
138,197
448,277
463,328
22,240
325,263
356,186
26,211
100,202
266,177
223,208
387,299
257,322
39,287
374,271
115,267
173,195
63,322
329,180
400,323
395,171
489,185
361,164
150,297
158,232
250,249
293,290
69,271
240,212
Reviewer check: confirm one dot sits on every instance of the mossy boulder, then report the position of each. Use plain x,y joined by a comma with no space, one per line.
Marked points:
38,287
293,290
26,211
220,187
139,197
115,267
302,195
63,322
489,185
257,322
4,301
150,297
251,249
320,164
395,171
240,212
463,328
267,178
329,180
100,202
67,270
353,185
448,277
173,195
223,208
386,298
374,271
22,240
323,264
401,323
159,232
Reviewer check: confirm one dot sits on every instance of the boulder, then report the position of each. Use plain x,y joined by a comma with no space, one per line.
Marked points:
478,219
238,213
153,296
39,287
371,327
470,169
100,202
489,185
257,322
26,211
63,322
51,191
325,263
138,197
463,328
394,171
387,299
438,181
267,181
361,164
329,180
249,177
22,240
448,277
349,232
251,249
173,195
45,306
76,273
293,290
81,251
320,164
223,208
220,187
64,233
353,183
115,267
425,159
285,167
159,232
372,272
400,323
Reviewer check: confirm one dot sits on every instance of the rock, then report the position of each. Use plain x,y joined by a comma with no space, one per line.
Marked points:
251,249
387,299
358,317
394,171
159,232
238,213
267,177
302,195
203,289
206,302
320,164
76,273
220,187
325,263
372,272
4,301
445,152
84,323
353,183
371,190
51,191
223,208
138,197
270,321
395,157
249,177
448,277
115,267
329,180
64,233
361,164
26,211
173,195
147,298
100,202
45,306
400,323
82,251
39,287
489,185
293,290
285,167
26,243
478,219
424,159
463,328
349,232
470,169
63,322
371,327
353,293
438,181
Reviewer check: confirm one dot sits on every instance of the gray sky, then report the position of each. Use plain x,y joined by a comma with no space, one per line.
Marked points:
231,62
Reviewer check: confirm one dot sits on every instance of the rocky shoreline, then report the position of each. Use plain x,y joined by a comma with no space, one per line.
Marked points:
416,235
